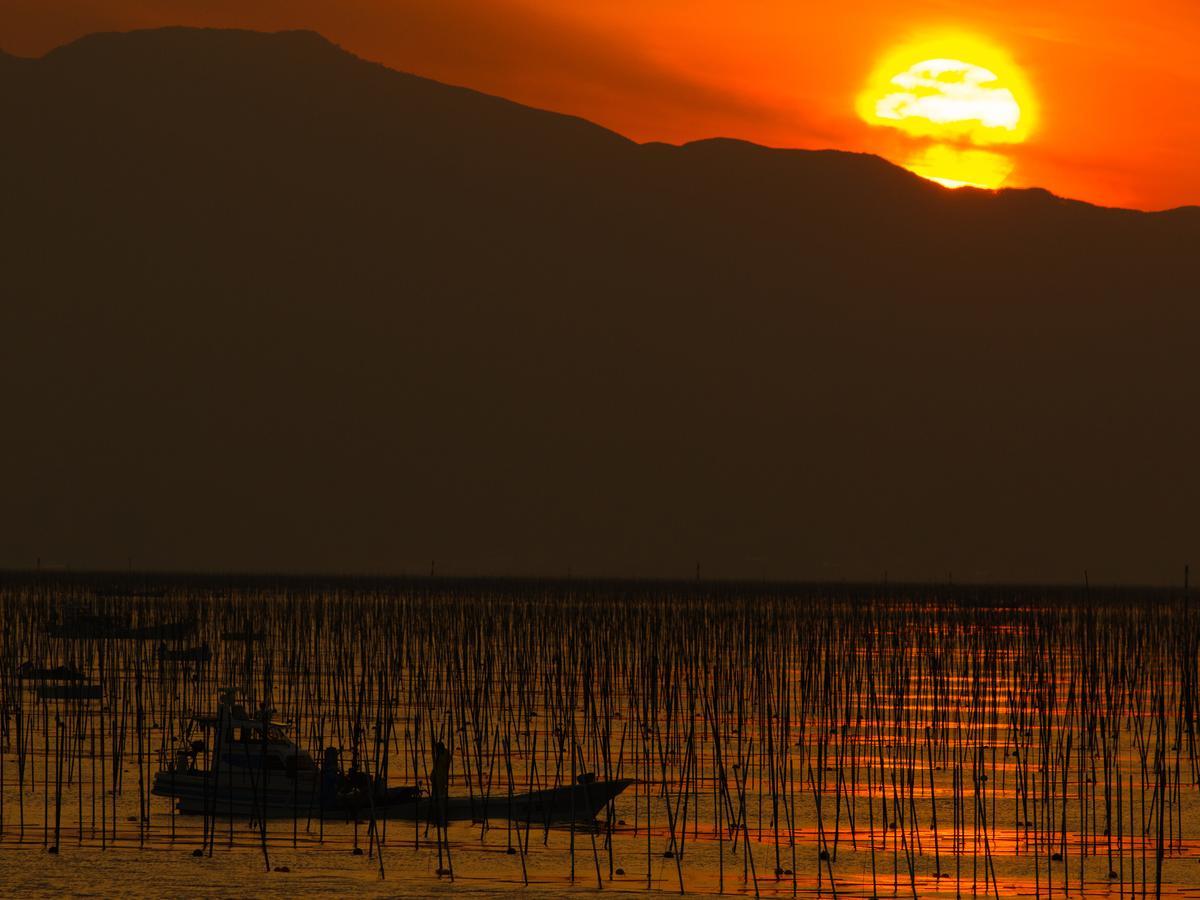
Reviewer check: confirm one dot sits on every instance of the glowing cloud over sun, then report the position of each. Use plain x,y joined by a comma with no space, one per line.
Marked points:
955,87
937,94
954,93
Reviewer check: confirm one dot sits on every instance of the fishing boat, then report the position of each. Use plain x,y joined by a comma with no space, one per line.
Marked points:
27,671
70,692
59,682
201,654
253,769
80,624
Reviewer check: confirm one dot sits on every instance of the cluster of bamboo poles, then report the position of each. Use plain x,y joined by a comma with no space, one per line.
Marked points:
859,741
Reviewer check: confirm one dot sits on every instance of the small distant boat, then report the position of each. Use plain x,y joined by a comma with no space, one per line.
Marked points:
70,691
201,654
29,672
254,770
248,636
130,593
81,626
164,631
59,682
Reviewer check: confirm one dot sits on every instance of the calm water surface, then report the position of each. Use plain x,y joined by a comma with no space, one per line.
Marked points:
784,741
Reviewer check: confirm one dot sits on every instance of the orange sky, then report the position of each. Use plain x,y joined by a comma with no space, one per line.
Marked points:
1117,83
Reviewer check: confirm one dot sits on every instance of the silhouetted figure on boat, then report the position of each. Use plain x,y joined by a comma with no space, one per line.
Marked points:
330,776
439,781
439,789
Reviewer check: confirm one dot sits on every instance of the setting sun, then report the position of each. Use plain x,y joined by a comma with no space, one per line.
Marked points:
952,95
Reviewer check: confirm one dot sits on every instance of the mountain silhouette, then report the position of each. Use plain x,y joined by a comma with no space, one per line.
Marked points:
268,306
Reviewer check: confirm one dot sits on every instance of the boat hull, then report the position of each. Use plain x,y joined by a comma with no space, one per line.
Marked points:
251,795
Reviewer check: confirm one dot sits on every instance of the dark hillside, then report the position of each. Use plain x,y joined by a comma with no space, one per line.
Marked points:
268,306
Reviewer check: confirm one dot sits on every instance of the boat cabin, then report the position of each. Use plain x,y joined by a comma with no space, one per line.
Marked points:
241,740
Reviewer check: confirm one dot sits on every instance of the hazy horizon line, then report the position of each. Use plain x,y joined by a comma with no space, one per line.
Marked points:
775,584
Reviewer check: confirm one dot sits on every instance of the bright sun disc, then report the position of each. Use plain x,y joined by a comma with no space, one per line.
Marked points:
952,94
955,87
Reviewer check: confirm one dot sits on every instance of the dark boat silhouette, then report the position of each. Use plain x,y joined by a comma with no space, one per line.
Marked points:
70,692
247,635
254,770
201,654
27,671
59,682
81,625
